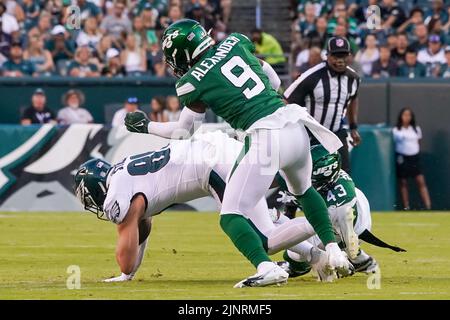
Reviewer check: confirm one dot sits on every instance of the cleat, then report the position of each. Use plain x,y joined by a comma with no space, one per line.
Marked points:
365,263
275,275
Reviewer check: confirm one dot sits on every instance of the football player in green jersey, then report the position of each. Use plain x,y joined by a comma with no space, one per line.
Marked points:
349,211
228,78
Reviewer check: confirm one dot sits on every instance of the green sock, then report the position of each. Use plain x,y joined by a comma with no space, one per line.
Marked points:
244,238
316,212
300,267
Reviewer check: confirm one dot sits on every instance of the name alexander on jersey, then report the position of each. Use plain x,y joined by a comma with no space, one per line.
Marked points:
208,63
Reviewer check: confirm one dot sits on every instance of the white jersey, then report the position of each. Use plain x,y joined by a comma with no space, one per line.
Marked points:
180,172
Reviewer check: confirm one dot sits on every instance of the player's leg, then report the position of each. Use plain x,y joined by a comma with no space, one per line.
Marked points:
282,236
296,169
248,182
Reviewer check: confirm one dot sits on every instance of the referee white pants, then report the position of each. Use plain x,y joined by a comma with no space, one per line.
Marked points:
266,152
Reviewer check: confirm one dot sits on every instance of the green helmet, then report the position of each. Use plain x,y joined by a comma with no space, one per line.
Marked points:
326,167
182,42
90,185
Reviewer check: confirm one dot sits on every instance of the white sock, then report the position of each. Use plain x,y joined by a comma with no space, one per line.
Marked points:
303,250
265,266
289,234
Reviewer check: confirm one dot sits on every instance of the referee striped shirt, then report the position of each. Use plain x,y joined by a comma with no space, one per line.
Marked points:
325,93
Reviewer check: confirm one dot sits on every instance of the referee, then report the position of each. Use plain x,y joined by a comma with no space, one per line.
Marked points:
329,91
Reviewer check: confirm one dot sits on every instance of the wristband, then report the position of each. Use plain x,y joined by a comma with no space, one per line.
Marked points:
353,126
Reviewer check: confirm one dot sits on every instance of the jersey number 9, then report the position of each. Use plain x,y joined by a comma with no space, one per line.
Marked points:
243,78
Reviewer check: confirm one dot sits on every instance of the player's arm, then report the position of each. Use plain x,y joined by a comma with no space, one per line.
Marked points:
352,115
127,250
183,128
275,81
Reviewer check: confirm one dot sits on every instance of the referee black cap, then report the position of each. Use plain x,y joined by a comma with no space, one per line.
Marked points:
338,45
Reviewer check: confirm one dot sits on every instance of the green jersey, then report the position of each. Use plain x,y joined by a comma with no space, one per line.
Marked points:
229,79
340,192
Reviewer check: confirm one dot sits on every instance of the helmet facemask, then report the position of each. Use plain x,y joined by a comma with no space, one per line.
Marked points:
90,189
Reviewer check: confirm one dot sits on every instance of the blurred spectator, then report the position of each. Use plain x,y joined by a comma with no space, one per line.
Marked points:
161,70
315,57
158,6
392,14
435,27
445,68
323,7
385,67
5,44
268,47
38,113
113,67
157,105
61,49
437,11
407,135
433,56
201,13
340,17
411,68
117,22
16,66
103,46
40,57
44,26
140,32
82,67
367,56
318,36
72,112
226,10
133,58
149,17
88,9
9,22
173,110
174,14
55,9
391,41
415,19
90,36
306,23
399,52
421,37
31,10
131,105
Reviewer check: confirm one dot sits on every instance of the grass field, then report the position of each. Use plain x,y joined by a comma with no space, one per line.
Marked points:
190,258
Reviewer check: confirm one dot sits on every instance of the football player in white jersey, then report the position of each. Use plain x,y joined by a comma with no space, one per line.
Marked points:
139,187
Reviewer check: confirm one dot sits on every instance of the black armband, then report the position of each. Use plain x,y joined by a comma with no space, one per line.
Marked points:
353,126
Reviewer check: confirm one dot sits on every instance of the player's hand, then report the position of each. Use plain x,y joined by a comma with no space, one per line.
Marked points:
356,138
137,122
121,278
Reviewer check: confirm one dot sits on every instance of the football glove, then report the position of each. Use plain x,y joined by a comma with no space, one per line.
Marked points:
137,122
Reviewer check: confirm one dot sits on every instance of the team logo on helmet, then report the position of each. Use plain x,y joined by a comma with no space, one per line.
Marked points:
340,42
168,41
